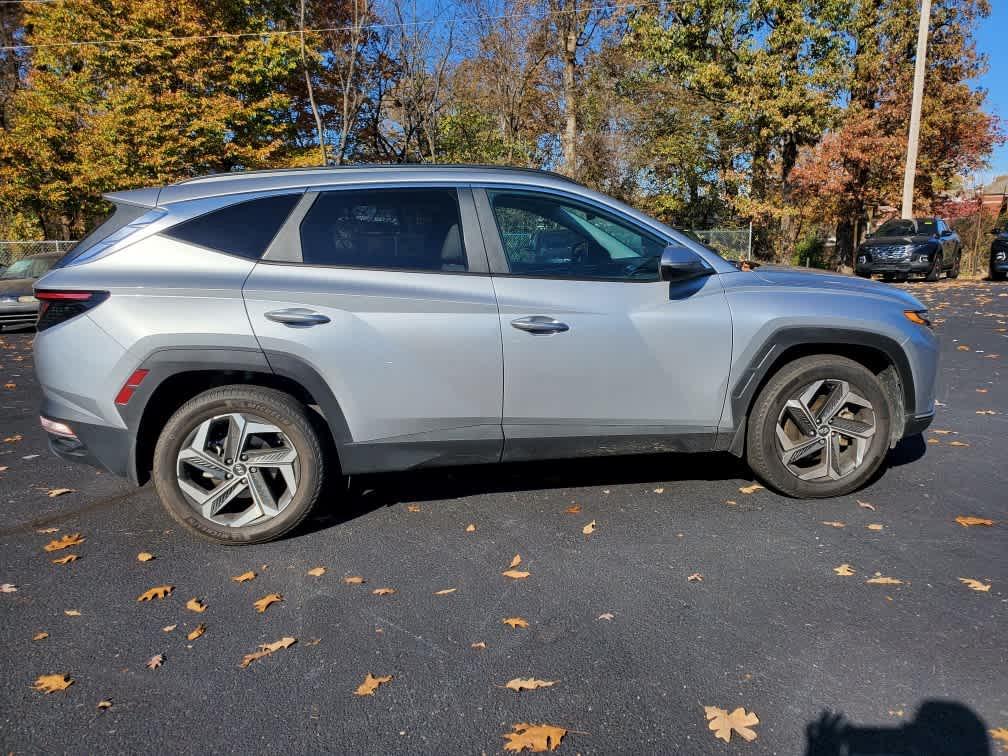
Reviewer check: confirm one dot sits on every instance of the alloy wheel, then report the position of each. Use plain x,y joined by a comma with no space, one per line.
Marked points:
237,469
825,431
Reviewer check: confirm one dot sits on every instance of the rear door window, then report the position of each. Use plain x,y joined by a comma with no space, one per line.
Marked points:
385,229
244,228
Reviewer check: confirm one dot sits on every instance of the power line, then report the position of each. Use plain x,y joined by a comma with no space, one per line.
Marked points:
289,32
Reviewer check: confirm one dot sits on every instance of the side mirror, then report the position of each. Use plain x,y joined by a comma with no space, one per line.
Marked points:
682,264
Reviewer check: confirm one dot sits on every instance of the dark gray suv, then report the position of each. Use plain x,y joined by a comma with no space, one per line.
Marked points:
900,248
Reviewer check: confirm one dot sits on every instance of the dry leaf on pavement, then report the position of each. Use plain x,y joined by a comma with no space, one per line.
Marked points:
696,577
383,591
71,539
317,571
516,561
589,528
53,683
244,577
969,520
43,531
881,580
264,603
844,570
353,580
370,684
975,585
606,616
516,574
957,443
40,636
445,591
529,683
515,622
413,508
751,489
722,723
573,509
53,493
65,560
195,605
71,613
866,505
266,649
1001,734
470,528
104,704
8,588
169,628
196,632
144,556
155,661
875,526
157,592
478,644
834,523
535,738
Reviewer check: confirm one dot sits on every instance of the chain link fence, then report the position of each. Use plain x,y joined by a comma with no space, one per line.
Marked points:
731,243
15,250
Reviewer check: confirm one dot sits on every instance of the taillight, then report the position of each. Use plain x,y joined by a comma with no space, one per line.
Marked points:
131,385
56,307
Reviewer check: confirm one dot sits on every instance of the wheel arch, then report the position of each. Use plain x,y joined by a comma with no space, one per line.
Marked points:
180,374
877,352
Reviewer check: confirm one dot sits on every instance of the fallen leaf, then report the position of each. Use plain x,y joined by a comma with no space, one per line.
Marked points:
266,649
875,526
317,571
370,684
244,577
196,632
46,531
53,493
834,523
10,386
445,591
957,443
478,644
71,613
589,528
515,574
963,348
731,502
195,605
40,636
975,585
866,505
1000,734
933,441
104,704
470,528
969,520
573,509
535,738
696,577
659,490
53,683
383,591
13,439
155,661
608,616
529,683
65,560
71,539
516,561
844,570
157,592
942,432
169,628
262,604
8,588
353,580
144,556
413,508
880,580
722,723
515,622
981,391
986,412
751,489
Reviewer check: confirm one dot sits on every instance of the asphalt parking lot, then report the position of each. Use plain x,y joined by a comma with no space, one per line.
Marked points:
690,593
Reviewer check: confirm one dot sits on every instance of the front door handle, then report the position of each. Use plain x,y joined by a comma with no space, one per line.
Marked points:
297,316
540,324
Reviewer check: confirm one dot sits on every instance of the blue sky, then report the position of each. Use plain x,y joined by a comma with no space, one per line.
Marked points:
992,39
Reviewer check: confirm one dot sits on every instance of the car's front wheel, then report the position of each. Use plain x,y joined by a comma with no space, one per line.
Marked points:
820,427
239,464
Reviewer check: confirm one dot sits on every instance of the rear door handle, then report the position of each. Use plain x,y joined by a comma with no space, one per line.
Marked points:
297,316
540,324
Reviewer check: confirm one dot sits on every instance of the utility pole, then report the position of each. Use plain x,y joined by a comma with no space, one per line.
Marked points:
915,110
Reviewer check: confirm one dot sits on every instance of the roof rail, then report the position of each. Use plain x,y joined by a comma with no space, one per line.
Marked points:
374,166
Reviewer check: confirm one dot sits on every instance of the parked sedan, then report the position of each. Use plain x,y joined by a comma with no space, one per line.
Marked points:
902,247
18,305
999,251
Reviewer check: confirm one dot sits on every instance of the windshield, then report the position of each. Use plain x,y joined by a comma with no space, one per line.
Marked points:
904,227
29,267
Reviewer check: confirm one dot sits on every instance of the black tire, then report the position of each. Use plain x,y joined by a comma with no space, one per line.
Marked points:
763,448
864,275
276,407
934,273
997,276
954,270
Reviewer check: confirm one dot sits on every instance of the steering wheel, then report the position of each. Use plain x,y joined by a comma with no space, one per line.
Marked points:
579,251
636,267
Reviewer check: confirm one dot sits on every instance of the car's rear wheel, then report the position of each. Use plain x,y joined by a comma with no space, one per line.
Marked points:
239,464
820,427
954,270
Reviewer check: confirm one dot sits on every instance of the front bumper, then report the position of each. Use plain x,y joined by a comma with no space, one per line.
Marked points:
111,449
907,267
18,314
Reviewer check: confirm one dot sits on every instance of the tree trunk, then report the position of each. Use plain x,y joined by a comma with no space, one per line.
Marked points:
569,139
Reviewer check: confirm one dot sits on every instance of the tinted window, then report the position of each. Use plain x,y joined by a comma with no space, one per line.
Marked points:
244,229
410,229
548,236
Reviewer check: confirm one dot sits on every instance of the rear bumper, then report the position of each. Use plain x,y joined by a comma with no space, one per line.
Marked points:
111,449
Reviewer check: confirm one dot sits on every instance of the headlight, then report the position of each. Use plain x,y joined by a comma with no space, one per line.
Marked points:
27,299
862,258
999,255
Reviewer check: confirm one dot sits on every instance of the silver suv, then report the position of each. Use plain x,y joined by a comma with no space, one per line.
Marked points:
239,338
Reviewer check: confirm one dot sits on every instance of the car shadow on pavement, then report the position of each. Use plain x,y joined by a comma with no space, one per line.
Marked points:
940,728
907,450
366,493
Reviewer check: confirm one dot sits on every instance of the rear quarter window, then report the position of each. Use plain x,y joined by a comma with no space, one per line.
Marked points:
244,229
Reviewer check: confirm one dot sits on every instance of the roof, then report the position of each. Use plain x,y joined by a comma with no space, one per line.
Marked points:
241,182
